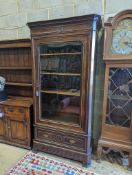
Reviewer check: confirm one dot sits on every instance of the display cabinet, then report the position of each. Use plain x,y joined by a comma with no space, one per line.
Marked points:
117,105
63,65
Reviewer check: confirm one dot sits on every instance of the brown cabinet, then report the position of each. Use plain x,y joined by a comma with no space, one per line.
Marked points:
117,105
16,66
63,79
15,112
15,121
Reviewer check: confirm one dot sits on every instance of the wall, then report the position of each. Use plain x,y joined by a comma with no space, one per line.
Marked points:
14,14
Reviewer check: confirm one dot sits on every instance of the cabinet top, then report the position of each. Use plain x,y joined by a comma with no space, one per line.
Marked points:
18,101
118,37
112,21
15,43
88,18
71,24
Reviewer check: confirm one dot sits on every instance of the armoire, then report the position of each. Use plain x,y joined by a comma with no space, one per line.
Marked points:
64,58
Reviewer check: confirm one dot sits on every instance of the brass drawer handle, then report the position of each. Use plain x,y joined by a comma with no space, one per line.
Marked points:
72,141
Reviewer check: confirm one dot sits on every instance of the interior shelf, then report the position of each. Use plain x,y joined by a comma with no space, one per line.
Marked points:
56,73
19,84
62,92
55,54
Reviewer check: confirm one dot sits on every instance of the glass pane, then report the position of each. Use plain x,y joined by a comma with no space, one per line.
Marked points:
60,107
60,66
119,103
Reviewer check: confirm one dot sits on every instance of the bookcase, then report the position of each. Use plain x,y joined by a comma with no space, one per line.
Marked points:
16,111
63,82
16,66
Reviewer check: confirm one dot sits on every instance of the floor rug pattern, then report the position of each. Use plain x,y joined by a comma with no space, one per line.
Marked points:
34,164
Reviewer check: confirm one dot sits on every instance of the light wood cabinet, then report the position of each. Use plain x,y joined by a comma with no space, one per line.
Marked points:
16,111
117,104
16,121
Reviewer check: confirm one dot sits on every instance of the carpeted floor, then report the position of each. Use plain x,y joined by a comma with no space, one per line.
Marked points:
10,155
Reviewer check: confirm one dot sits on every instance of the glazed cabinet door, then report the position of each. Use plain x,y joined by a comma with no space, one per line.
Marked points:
17,130
118,101
60,79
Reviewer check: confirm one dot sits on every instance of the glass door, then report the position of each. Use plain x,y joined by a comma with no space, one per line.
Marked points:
119,100
60,76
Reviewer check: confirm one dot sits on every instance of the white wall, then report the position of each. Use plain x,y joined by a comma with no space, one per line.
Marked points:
14,14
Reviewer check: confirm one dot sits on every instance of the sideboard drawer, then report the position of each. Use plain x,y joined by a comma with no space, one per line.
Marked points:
61,138
14,110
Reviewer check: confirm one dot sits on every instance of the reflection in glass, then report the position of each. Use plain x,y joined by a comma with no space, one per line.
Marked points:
60,107
119,103
60,66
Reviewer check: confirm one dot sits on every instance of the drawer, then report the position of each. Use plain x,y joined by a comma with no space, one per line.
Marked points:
15,117
14,110
61,138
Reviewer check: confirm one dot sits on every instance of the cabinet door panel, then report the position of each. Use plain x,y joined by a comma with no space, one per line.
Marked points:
2,128
60,81
119,98
17,131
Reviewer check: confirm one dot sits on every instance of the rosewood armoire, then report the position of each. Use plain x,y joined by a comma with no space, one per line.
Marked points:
63,53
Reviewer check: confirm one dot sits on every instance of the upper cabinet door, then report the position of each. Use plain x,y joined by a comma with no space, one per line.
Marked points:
118,37
63,71
60,82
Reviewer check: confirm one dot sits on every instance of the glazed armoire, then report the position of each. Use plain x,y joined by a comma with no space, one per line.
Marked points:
63,53
117,105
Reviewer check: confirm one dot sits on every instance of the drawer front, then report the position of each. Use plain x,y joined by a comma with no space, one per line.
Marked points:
14,110
61,138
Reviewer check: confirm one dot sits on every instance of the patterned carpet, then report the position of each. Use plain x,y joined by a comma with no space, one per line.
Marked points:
34,164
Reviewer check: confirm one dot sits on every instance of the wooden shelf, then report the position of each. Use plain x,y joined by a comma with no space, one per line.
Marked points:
55,54
63,74
19,84
15,68
62,92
